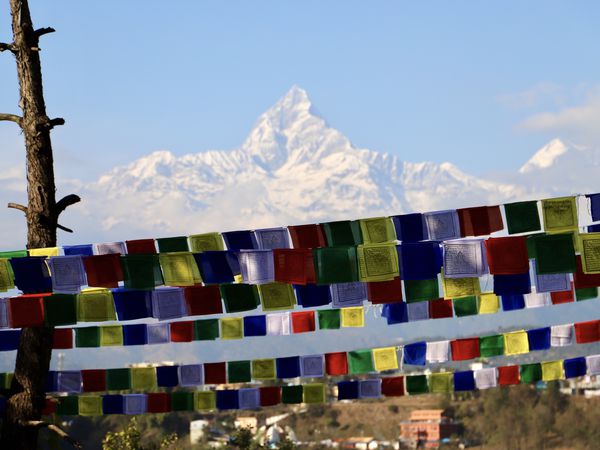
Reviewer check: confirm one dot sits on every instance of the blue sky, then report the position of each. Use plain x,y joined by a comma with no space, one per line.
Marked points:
482,85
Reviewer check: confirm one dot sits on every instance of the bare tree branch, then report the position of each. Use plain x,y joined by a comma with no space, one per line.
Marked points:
64,203
4,46
42,424
11,118
42,31
17,206
51,123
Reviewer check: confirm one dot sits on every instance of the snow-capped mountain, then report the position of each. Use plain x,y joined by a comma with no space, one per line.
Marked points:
292,168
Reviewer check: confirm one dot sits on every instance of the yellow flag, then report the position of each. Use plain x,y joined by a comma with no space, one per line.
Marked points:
385,359
552,370
377,230
377,262
516,343
6,276
314,393
206,242
590,252
560,214
488,303
353,317
460,287
143,378
90,405
111,335
276,296
179,269
440,383
263,369
232,328
47,252
95,305
205,400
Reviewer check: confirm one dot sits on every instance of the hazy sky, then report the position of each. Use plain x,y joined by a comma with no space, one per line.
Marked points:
482,85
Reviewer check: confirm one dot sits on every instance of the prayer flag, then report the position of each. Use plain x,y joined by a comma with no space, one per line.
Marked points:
422,290
352,317
6,275
249,398
590,255
294,266
132,304
135,334
141,271
239,372
103,270
464,381
68,406
278,324
586,294
87,337
369,388
95,305
575,367
516,343
239,297
593,364
348,390
560,214
168,303
440,383
558,298
256,266
554,253
159,402
415,353
584,280
522,217
385,359
167,376
140,246
395,313
232,328
416,384
480,221
587,331
81,250
307,236
203,300
336,364
552,370
111,335
182,331
272,238
108,248
276,296
485,378
158,333
466,306
348,294
191,375
215,373
379,292
206,330
26,311
440,308
507,255
343,233
512,284
113,404
68,381
377,262
531,373
311,295
509,375
488,303
335,265
68,274
594,206
464,259
143,378
513,302
551,282
93,380
360,361
179,269
491,345
314,393
263,369
437,352
31,274
135,404
304,321
172,244
270,395
464,349
255,325
418,311
62,338
442,225
410,227
377,230
45,252
539,338
392,386
561,335
183,401
536,300
312,366
420,260
460,287
288,367
329,319
206,242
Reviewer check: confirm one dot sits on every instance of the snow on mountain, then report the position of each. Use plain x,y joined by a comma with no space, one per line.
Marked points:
292,168
545,157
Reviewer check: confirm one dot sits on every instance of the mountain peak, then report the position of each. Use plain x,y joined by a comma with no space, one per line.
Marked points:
545,156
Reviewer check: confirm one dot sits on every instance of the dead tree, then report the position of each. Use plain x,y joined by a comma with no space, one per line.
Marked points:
27,393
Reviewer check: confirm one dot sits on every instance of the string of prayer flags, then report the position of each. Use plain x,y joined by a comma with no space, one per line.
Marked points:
140,246
560,214
410,227
68,274
307,236
420,260
31,274
442,225
272,238
377,230
343,233
256,266
348,294
480,221
179,269
103,270
294,266
218,267
335,264
276,296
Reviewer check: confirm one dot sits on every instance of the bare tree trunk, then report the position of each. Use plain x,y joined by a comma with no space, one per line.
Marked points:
27,393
